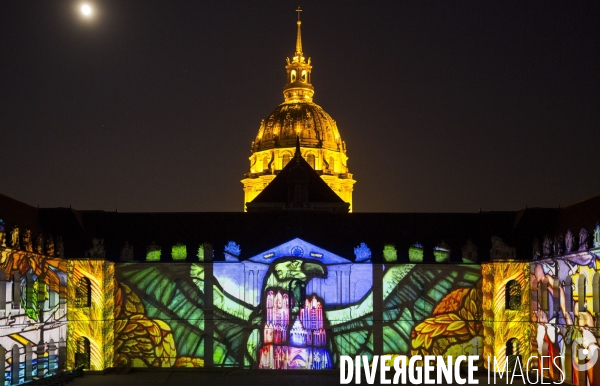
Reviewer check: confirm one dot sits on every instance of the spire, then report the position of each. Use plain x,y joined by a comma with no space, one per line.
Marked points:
298,87
299,36
298,154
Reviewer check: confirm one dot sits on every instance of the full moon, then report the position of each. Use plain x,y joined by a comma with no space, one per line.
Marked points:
86,10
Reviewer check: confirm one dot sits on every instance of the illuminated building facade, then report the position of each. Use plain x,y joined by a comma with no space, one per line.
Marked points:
298,117
195,291
296,281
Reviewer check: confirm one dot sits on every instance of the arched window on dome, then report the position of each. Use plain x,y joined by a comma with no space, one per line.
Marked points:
303,77
265,163
286,160
293,76
311,160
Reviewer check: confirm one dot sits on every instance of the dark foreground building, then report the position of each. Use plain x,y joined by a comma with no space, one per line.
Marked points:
296,281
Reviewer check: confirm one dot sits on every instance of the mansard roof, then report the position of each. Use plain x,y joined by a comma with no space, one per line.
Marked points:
298,178
338,233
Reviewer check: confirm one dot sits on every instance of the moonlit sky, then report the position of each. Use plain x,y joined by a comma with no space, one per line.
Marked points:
444,106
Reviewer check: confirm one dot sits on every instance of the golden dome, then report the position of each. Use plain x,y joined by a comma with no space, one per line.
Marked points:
298,117
306,120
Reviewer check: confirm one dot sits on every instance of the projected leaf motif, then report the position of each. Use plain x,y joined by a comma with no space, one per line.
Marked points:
144,341
456,320
430,310
168,300
451,302
438,325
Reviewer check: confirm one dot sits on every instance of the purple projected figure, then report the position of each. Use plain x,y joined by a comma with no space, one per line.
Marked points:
293,333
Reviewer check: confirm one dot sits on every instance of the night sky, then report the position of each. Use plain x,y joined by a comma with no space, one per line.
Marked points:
444,106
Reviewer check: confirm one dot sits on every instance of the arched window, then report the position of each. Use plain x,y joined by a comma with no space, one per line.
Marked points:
265,163
512,347
52,359
28,362
513,295
596,292
581,293
41,363
83,293
286,160
82,356
311,160
62,353
15,364
293,76
513,351
568,288
16,291
53,299
303,75
568,368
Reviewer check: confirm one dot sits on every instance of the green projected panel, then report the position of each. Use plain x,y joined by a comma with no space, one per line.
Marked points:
296,306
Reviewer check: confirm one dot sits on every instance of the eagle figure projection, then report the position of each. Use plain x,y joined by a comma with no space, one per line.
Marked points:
284,321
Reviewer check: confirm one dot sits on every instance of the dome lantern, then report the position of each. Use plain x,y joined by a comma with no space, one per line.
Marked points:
298,121
298,87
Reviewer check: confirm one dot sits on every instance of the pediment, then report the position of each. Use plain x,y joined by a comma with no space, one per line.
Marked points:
299,248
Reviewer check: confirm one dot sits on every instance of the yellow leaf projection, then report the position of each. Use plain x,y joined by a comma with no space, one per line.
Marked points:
455,320
146,342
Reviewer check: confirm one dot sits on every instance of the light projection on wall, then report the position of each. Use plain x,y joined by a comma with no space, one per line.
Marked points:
432,309
153,252
90,333
565,308
506,329
390,255
32,315
179,252
159,315
293,332
295,306
415,253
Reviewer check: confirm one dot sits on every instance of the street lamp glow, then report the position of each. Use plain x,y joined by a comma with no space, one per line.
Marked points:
86,10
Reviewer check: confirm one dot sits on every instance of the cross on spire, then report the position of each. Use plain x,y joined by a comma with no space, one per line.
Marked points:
298,53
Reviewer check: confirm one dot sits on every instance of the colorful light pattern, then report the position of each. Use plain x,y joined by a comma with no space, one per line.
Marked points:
565,307
33,315
93,324
295,306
